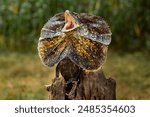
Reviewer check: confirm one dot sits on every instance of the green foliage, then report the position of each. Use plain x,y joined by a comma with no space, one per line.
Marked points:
22,20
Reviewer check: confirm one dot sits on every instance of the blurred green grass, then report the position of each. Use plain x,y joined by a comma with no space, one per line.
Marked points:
23,76
132,74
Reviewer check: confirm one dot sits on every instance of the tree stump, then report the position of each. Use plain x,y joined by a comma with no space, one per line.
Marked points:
92,86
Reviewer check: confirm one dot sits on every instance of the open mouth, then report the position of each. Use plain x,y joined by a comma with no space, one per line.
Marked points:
70,22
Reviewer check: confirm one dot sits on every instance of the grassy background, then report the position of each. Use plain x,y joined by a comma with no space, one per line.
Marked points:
22,76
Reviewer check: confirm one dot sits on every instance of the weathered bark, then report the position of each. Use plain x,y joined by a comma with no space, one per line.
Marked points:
92,86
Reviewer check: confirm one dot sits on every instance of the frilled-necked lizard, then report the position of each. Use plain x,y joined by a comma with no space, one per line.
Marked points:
74,42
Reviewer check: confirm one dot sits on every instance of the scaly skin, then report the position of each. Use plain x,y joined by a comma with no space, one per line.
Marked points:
82,47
